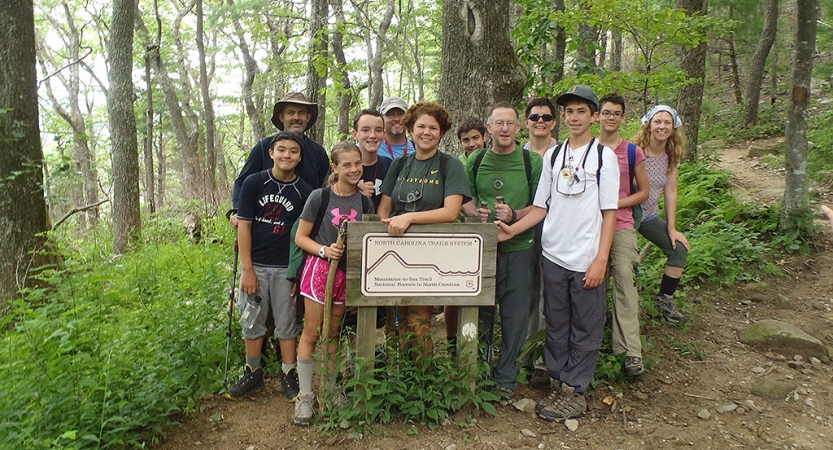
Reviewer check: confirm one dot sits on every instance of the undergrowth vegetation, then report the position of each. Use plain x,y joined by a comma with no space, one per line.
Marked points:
109,350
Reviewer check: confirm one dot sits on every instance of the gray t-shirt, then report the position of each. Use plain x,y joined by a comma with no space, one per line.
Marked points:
338,209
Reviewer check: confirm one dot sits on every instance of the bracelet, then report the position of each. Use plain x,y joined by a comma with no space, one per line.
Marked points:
514,215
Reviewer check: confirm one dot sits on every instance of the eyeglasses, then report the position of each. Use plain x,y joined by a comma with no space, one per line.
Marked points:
502,123
616,114
535,117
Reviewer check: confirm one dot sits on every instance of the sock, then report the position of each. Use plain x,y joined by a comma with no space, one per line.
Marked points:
287,367
668,285
253,361
306,368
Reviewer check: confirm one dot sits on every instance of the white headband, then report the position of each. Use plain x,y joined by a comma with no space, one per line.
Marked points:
646,119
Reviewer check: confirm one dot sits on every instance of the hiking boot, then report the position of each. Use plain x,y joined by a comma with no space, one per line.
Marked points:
506,394
289,384
540,379
304,409
550,399
566,407
251,381
668,310
633,366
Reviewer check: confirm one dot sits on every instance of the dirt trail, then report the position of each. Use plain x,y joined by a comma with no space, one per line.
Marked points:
659,411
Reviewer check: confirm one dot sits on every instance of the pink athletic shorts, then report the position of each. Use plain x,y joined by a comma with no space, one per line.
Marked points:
314,281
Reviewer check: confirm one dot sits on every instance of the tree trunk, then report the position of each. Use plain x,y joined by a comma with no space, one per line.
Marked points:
376,55
756,70
345,94
559,54
690,98
125,152
616,51
733,60
252,71
150,182
796,196
161,173
23,215
210,175
479,65
587,37
317,65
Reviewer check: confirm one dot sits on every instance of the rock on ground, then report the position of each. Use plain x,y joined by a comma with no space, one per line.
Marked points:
783,338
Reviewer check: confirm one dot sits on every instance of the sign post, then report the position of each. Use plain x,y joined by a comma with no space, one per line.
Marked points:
440,264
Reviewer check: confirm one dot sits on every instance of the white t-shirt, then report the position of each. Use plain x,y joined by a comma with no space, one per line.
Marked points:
573,226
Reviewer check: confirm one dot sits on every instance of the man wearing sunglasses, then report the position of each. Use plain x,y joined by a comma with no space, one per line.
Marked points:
505,177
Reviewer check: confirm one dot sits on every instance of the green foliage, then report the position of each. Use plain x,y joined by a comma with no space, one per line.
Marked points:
423,391
108,351
689,350
820,155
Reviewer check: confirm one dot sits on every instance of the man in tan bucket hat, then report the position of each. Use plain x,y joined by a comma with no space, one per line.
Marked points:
292,113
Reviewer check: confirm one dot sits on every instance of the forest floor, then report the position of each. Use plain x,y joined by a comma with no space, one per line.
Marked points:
675,404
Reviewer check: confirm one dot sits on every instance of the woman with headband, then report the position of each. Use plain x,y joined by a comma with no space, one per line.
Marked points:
663,138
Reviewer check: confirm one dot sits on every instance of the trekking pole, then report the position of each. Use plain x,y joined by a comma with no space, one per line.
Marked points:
328,304
231,302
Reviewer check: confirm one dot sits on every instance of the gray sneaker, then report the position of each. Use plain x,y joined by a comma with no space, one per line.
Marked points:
633,366
668,310
566,407
553,397
304,409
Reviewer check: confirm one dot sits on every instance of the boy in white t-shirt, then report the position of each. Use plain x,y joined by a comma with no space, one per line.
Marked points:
577,198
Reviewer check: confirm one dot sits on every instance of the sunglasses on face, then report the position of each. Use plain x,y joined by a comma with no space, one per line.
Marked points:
535,117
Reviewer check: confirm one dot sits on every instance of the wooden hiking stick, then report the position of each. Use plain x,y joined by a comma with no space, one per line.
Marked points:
328,304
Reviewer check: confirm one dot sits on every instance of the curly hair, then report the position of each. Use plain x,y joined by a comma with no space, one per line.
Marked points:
674,146
433,109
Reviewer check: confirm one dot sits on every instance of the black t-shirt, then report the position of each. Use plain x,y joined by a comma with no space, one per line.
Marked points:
376,173
273,207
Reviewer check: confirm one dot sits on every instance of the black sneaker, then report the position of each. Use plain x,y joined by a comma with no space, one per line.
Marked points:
251,381
289,383
668,310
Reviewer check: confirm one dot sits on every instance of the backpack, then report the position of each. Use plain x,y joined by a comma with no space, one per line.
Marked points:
635,209
527,167
396,165
297,256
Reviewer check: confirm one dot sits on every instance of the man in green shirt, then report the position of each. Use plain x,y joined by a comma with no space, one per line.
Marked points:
505,177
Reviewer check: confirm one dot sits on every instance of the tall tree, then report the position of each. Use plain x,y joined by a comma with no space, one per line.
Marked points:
210,175
479,65
123,135
693,63
345,93
318,63
23,216
66,71
756,70
795,193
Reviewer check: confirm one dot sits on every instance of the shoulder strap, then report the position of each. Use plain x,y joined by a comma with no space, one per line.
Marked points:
322,210
631,165
443,162
600,148
528,170
476,164
262,177
366,204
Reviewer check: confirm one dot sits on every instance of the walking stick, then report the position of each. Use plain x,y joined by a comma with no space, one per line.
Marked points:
328,304
231,302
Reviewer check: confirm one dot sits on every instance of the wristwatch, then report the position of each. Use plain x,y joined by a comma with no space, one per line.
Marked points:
322,252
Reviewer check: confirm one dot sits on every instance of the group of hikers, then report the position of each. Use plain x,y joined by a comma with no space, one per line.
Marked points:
567,217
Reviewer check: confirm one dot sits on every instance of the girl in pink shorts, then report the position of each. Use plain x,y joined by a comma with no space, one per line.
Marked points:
344,202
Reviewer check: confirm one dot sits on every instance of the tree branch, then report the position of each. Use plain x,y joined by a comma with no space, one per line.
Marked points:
76,210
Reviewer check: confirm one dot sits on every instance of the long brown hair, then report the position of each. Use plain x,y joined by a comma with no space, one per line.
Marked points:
674,146
335,157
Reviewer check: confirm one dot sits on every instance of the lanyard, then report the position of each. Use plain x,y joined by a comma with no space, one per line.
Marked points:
390,149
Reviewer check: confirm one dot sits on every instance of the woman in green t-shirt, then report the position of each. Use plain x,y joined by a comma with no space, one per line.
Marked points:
424,187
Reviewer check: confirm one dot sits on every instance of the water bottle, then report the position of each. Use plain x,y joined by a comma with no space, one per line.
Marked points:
250,312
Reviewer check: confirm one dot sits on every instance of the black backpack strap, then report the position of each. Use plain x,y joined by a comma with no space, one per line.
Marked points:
322,210
631,166
478,159
366,204
600,148
528,169
443,162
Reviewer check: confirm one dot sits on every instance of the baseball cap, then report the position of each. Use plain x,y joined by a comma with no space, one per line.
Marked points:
581,93
393,102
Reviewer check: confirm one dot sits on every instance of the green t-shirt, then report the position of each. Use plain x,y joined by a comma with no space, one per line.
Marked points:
511,171
418,185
